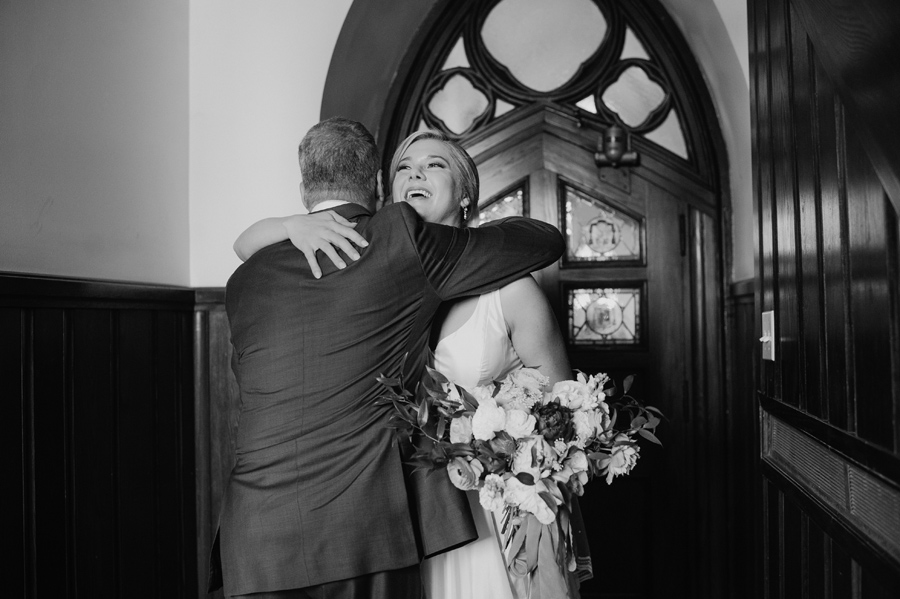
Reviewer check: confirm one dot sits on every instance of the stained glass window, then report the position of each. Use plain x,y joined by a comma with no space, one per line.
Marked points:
510,203
543,43
597,232
604,316
506,56
669,135
633,96
458,103
457,56
633,48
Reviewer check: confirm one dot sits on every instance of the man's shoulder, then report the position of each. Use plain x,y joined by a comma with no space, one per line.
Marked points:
263,260
397,211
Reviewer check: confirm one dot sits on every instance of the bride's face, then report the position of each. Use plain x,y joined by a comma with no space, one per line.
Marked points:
425,180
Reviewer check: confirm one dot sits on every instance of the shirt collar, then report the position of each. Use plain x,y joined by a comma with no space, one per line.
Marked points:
328,205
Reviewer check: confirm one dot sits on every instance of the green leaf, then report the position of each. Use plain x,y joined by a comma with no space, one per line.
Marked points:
626,384
423,414
469,401
388,381
525,478
441,427
548,499
638,422
649,436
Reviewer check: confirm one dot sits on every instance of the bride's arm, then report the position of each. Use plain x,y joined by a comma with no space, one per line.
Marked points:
533,328
326,231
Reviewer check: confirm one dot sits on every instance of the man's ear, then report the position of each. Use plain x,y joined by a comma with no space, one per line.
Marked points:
379,191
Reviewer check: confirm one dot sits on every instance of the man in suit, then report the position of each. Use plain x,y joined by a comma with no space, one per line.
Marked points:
317,504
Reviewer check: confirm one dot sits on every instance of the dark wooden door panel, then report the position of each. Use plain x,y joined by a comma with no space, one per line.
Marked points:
664,515
828,256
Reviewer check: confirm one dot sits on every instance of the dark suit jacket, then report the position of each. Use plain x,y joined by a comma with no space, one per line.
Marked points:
318,491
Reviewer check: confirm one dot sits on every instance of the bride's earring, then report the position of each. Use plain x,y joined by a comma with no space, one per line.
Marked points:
465,213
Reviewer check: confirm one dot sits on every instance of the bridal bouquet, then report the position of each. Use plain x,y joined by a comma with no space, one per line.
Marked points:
526,450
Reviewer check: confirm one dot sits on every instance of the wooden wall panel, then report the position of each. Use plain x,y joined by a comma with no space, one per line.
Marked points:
741,446
101,374
828,256
217,406
51,416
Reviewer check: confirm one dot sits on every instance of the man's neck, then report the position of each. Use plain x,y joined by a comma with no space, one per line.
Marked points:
331,199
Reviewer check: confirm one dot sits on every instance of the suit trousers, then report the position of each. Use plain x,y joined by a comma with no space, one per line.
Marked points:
403,583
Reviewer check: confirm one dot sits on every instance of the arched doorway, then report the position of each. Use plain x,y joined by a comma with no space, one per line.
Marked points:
640,287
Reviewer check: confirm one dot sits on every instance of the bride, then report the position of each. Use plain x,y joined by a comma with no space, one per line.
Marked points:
476,339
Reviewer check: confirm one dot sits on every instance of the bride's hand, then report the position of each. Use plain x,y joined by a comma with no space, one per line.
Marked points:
326,231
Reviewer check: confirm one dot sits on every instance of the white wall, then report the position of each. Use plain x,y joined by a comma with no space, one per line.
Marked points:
716,31
93,139
257,74
137,139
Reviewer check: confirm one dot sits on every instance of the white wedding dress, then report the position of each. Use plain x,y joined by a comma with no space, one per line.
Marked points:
479,352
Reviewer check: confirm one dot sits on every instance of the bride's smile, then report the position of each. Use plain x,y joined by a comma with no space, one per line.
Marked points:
424,178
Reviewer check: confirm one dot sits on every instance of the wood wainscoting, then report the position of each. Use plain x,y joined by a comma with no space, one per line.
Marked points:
217,401
742,445
102,440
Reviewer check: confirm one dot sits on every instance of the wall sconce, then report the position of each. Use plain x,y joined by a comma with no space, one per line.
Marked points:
614,149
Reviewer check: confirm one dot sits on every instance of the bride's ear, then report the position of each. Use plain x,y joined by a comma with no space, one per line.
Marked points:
379,191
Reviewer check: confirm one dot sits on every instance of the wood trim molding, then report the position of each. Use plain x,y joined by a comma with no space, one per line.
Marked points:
744,288
42,291
865,454
870,504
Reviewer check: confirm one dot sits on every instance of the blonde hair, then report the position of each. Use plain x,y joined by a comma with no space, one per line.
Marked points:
462,167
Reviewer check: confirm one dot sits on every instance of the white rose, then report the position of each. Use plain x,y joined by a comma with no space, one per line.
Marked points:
585,427
570,394
525,453
461,429
577,461
488,419
519,424
621,460
527,499
529,379
490,496
483,393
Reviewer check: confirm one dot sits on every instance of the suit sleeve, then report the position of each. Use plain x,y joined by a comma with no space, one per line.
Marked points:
459,262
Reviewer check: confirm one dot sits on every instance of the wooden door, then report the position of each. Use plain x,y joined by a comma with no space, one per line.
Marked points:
622,296
827,181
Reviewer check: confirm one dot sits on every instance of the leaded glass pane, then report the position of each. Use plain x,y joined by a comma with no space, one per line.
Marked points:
543,43
502,107
633,96
597,232
458,104
509,204
633,48
457,56
588,104
670,136
605,316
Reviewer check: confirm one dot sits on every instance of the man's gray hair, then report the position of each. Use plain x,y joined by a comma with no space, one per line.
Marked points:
338,160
